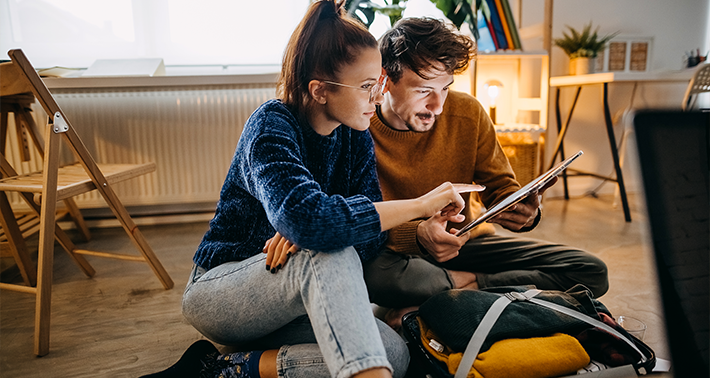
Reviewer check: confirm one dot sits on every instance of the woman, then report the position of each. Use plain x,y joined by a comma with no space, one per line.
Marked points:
302,189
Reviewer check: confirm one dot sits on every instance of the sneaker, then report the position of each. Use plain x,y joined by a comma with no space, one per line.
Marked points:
199,355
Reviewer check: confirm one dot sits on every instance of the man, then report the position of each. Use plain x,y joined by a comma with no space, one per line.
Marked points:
426,134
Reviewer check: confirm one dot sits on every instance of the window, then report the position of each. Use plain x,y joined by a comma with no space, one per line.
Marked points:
74,33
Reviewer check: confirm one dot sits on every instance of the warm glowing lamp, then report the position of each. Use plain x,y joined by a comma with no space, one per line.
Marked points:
493,89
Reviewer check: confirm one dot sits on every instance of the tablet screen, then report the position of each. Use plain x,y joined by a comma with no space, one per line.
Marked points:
531,187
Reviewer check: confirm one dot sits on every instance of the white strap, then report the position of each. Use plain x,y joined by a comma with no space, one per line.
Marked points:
493,313
479,336
590,320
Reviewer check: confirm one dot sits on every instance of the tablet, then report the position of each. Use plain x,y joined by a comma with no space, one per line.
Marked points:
531,187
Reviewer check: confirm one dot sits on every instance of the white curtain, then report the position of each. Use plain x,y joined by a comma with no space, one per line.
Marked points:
74,33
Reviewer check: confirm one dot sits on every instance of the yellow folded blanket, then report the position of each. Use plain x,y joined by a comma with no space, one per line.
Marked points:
538,357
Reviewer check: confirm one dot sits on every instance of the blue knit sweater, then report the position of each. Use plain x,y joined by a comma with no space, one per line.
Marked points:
317,191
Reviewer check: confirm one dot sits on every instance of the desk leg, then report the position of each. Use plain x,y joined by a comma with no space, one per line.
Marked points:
561,132
615,154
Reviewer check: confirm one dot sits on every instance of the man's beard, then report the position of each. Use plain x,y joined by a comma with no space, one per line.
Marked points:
427,116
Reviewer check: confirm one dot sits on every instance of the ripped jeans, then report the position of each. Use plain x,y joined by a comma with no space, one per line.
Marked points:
315,311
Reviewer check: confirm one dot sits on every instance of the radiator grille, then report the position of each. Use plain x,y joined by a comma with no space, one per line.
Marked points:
189,133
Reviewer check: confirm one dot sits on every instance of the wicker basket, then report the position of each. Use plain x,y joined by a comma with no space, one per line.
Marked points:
523,152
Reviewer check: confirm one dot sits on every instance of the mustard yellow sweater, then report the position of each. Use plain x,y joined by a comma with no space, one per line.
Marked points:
536,357
460,148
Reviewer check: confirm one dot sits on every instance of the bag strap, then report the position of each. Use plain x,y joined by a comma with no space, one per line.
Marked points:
480,334
493,313
592,321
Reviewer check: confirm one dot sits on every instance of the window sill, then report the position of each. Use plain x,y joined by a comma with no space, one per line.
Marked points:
175,76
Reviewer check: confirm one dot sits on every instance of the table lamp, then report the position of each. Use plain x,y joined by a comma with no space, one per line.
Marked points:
493,90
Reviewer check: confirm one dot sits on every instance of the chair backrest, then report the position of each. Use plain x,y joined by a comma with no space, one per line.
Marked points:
700,83
26,77
18,85
27,80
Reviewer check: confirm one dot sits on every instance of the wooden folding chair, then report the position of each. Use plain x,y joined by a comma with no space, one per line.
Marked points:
19,104
41,191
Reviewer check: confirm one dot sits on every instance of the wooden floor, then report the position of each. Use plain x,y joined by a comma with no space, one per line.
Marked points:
122,323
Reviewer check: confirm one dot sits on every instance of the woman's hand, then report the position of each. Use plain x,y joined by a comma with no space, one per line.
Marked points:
446,198
278,249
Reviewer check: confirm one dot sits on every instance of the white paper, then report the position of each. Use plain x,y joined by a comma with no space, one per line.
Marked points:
126,67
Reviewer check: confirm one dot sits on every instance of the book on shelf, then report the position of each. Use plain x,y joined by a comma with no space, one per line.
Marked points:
515,37
485,40
486,12
499,25
504,22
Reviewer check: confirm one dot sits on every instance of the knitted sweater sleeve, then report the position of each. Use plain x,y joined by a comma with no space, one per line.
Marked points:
365,182
296,204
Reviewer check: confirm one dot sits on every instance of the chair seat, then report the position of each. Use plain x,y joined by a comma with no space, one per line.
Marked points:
19,76
73,180
29,225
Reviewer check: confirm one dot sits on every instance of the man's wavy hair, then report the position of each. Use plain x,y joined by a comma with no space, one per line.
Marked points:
419,43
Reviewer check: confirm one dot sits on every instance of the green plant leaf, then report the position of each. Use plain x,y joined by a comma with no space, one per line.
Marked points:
365,10
460,11
362,10
582,44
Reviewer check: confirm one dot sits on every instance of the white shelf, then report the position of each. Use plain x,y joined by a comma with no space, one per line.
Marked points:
525,92
507,54
519,128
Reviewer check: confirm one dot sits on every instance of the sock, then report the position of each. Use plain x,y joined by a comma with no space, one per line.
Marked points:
235,365
253,363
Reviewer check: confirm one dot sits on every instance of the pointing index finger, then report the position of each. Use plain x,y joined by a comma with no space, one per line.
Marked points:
467,188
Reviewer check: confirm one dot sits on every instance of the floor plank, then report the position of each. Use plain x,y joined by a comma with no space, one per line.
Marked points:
122,323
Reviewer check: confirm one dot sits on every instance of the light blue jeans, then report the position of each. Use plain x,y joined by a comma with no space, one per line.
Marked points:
315,311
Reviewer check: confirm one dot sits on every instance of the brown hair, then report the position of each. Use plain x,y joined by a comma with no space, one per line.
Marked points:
418,43
322,43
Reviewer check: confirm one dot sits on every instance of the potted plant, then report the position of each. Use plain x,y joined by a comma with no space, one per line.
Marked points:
457,11
582,47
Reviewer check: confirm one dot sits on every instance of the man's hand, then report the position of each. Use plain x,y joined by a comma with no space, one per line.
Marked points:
442,245
278,249
523,213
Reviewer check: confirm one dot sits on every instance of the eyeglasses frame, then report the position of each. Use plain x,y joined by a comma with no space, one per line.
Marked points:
373,91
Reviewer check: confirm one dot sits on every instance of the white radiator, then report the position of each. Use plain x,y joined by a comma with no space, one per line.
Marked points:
190,133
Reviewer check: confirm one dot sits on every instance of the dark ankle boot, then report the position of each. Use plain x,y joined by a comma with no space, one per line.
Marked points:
200,354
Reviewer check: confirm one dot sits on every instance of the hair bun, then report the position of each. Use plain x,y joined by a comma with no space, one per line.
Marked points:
331,9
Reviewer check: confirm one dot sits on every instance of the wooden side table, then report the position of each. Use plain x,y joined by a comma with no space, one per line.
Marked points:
604,79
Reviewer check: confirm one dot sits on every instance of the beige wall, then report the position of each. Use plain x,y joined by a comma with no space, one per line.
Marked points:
676,27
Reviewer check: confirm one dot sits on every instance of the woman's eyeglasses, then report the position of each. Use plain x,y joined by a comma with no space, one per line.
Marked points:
373,89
